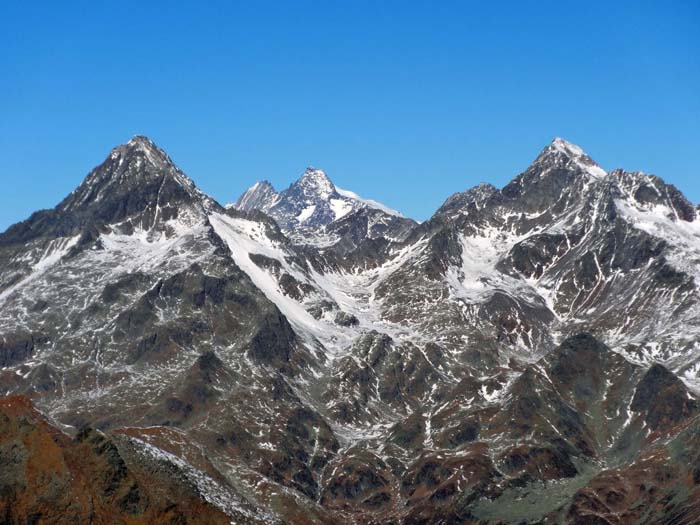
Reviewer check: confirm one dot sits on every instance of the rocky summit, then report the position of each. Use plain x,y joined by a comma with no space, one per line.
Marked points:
528,355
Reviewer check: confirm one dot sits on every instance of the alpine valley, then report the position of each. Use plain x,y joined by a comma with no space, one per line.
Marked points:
528,355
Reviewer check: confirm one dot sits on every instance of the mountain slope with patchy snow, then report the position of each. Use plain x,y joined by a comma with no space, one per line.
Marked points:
318,357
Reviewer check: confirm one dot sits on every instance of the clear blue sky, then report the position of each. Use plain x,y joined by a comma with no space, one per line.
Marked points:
405,102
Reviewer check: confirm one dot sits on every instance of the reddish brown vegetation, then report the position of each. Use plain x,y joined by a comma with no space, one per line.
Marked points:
48,477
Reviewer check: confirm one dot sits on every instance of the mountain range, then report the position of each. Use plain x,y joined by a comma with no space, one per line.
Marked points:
528,355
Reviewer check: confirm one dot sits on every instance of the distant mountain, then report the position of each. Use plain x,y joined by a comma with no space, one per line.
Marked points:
529,354
260,196
311,204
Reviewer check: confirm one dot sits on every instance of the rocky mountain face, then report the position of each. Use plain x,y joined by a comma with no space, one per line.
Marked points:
260,196
527,355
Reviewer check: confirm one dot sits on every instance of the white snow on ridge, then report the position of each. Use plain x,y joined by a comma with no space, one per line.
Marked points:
682,236
368,202
582,160
566,147
596,171
211,491
52,256
244,238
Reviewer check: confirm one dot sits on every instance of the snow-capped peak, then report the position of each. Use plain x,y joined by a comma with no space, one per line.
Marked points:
316,182
313,202
141,141
567,147
564,150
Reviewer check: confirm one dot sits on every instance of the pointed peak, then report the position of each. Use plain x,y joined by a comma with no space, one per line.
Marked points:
137,143
315,181
561,152
263,184
566,147
143,145
260,196
135,167
141,140
483,187
314,173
